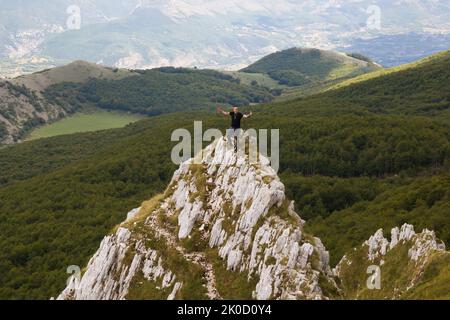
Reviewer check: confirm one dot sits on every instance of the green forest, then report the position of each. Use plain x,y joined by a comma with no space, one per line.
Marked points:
159,91
368,155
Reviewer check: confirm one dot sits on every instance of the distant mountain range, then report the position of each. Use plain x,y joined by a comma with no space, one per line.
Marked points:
393,50
213,34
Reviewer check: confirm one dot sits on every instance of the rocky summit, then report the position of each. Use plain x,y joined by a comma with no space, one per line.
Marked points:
224,229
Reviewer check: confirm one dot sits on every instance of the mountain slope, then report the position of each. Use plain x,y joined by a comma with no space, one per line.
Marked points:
419,88
24,106
430,63
302,66
421,201
77,72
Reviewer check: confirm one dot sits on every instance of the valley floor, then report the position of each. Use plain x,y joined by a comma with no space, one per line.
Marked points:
93,120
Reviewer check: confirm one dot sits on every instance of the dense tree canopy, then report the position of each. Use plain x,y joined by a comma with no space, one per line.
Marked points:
159,91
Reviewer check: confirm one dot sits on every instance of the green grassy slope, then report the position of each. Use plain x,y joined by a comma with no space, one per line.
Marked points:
382,72
298,67
421,90
24,107
350,167
261,79
77,71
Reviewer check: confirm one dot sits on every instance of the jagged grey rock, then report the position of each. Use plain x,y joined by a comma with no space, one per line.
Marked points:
421,245
133,213
240,211
107,275
408,257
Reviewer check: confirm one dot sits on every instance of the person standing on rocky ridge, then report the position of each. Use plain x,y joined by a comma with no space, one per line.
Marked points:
236,118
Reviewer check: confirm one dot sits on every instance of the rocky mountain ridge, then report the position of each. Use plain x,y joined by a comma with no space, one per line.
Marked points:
224,229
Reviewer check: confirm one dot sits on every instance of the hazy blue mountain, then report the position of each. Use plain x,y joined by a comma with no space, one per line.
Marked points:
220,34
410,47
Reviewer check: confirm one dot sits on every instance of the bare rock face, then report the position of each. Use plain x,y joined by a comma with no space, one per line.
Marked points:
108,275
252,225
28,105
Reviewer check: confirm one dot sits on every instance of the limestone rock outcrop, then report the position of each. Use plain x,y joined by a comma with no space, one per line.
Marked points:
424,243
225,218
395,268
238,210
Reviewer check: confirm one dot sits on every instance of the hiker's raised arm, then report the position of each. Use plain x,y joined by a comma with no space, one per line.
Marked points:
219,110
248,115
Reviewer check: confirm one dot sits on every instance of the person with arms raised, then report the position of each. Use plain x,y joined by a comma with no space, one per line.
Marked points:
236,118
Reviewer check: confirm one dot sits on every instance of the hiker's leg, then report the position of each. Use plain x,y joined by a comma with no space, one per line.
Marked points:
239,141
229,138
